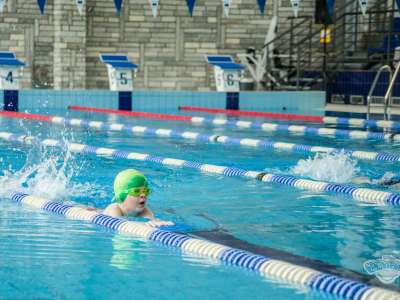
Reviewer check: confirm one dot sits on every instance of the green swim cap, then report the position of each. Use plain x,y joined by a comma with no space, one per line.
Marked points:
127,180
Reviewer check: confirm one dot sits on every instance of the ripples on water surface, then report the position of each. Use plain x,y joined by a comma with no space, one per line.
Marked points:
53,258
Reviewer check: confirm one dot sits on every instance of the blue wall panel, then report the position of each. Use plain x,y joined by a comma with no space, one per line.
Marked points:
311,103
47,100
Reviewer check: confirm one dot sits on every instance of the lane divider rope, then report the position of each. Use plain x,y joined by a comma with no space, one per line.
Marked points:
269,127
357,193
292,274
198,137
262,114
346,122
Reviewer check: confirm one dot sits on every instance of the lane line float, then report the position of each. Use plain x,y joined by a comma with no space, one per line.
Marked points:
269,127
267,144
294,275
360,194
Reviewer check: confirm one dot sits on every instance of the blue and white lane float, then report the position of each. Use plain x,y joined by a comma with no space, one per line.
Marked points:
222,139
271,127
195,136
381,124
318,131
360,194
345,122
294,275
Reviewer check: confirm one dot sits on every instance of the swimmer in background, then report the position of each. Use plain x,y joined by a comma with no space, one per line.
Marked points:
130,194
387,180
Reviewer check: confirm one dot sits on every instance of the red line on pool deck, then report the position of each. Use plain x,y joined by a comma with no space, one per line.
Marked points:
19,115
253,114
132,113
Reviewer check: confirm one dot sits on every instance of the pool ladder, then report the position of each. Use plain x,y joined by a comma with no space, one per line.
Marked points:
387,101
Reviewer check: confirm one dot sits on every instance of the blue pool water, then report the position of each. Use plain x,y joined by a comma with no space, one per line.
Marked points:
53,258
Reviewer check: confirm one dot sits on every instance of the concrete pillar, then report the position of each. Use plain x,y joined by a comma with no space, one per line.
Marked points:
69,46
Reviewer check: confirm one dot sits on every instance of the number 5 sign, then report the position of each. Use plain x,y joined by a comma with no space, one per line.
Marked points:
121,80
120,71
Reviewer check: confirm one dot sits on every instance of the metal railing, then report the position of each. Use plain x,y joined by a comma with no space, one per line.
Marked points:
373,86
388,96
298,50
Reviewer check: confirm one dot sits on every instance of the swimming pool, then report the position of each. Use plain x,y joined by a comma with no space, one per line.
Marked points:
51,257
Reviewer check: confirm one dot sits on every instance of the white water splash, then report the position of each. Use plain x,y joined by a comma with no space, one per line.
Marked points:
47,174
338,167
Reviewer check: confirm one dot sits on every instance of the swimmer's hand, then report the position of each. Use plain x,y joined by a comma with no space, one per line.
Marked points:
159,223
361,180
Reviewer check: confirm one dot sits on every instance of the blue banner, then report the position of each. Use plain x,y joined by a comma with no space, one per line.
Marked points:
41,4
190,4
398,4
261,5
330,5
118,5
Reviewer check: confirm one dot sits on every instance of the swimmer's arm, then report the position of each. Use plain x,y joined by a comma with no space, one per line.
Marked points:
113,211
154,222
361,180
147,213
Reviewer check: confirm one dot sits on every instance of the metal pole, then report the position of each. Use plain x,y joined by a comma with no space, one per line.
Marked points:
291,42
310,44
356,27
389,45
276,8
324,62
344,37
298,68
368,36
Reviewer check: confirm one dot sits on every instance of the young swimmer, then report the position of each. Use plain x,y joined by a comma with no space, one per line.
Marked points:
130,194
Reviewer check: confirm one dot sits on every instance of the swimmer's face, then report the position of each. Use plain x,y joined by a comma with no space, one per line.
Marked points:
136,203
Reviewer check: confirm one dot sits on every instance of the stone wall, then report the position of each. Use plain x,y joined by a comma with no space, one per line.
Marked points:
69,68
61,47
24,31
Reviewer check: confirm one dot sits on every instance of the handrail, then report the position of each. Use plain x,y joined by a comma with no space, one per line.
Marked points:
284,33
389,92
317,32
338,24
372,89
306,19
300,38
369,11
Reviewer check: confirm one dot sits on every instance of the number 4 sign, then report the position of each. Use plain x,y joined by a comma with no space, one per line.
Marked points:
9,80
10,77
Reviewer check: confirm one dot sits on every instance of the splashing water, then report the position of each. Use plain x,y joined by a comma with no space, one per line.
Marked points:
48,174
337,167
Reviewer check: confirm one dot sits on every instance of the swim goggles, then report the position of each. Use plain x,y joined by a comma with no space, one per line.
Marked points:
136,192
